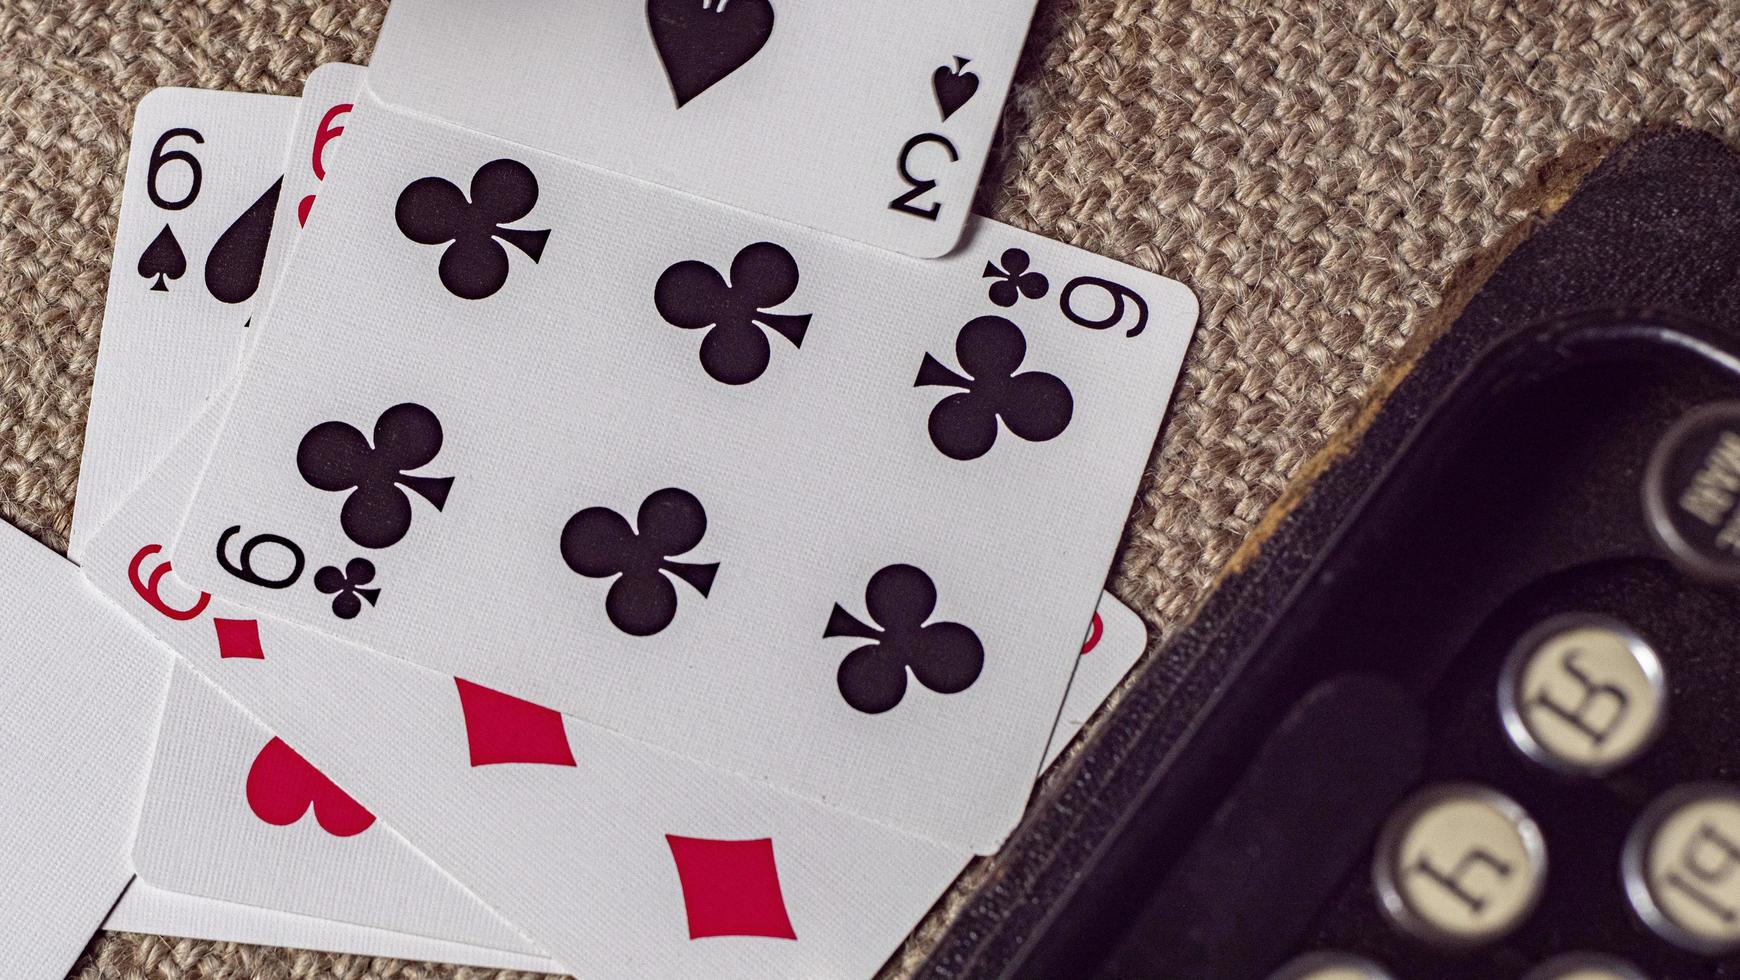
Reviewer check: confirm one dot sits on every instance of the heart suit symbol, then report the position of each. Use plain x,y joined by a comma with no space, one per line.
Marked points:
282,786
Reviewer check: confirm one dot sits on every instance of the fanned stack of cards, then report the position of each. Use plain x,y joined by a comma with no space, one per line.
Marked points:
580,495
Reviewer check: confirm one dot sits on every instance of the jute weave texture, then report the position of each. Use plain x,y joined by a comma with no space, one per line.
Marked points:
1324,174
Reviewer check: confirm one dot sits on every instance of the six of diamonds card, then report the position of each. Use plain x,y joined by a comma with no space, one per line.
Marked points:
638,526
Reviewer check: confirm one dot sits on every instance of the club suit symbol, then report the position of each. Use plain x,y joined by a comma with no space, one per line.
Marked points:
1015,278
692,295
474,265
945,657
347,586
600,543
162,260
701,42
335,457
1034,405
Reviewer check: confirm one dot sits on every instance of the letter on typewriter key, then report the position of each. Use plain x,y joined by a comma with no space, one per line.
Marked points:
1691,491
1459,865
1582,694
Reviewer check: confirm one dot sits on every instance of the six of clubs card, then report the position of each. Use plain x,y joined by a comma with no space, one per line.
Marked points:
637,457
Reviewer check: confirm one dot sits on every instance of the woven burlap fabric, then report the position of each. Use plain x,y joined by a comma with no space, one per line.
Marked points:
1324,175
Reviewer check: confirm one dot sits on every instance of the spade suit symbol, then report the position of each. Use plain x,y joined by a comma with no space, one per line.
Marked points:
701,42
953,86
232,268
162,260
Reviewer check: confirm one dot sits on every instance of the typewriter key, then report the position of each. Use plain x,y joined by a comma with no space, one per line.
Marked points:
1459,865
1691,490
1585,966
1582,694
1331,966
1681,868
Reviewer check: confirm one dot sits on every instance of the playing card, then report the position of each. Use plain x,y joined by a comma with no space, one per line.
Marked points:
77,712
315,140
704,479
184,846
203,179
870,121
165,913
193,842
1115,640
621,859
1116,635
233,813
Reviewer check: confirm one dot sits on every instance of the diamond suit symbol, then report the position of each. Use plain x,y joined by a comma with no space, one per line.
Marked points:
238,639
730,887
501,728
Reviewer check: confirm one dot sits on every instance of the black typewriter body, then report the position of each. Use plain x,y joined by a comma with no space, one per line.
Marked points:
1473,710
